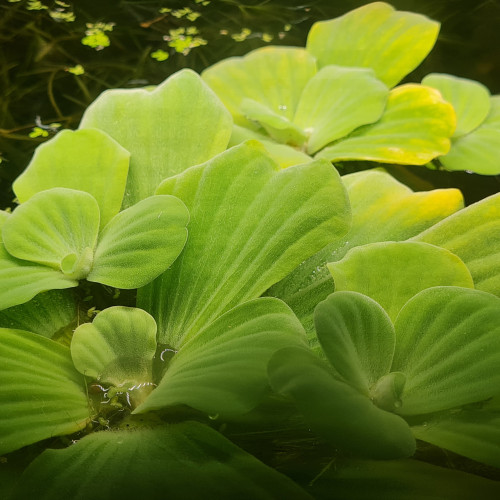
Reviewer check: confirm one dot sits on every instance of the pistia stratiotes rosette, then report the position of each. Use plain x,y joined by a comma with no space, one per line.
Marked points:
333,98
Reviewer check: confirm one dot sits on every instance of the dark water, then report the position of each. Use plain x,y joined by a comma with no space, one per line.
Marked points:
37,52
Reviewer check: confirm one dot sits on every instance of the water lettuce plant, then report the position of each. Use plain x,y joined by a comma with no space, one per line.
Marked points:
268,294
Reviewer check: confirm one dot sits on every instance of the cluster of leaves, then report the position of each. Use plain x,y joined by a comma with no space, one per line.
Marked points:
269,288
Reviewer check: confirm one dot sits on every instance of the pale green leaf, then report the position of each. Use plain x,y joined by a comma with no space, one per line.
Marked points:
336,101
470,99
401,480
383,209
474,235
166,129
272,76
337,412
183,461
47,314
117,347
57,228
376,36
223,369
251,224
415,128
41,394
87,160
140,242
448,346
357,337
472,433
393,272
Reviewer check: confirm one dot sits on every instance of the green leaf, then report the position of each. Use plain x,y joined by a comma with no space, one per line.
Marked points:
478,151
376,36
41,394
357,337
470,99
251,224
474,235
140,243
223,369
87,160
393,272
158,126
336,101
22,280
272,76
182,461
117,347
415,128
46,314
401,480
472,433
448,346
338,413
56,228
383,209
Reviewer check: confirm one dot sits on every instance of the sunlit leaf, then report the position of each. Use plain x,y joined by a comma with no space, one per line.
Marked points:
182,461
46,314
140,242
178,124
340,414
272,76
117,347
223,369
383,209
251,224
474,235
336,101
470,99
376,36
87,160
57,228
41,394
357,337
415,128
448,346
472,433
393,272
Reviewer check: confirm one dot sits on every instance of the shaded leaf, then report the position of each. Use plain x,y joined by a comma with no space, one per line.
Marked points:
140,242
415,128
336,101
376,36
474,235
158,126
223,369
251,224
337,412
357,337
87,160
181,461
393,272
470,99
448,346
117,347
41,394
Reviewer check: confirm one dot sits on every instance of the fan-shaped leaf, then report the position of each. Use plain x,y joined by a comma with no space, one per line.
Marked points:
448,346
393,272
140,242
158,126
223,369
87,160
391,42
41,394
415,128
